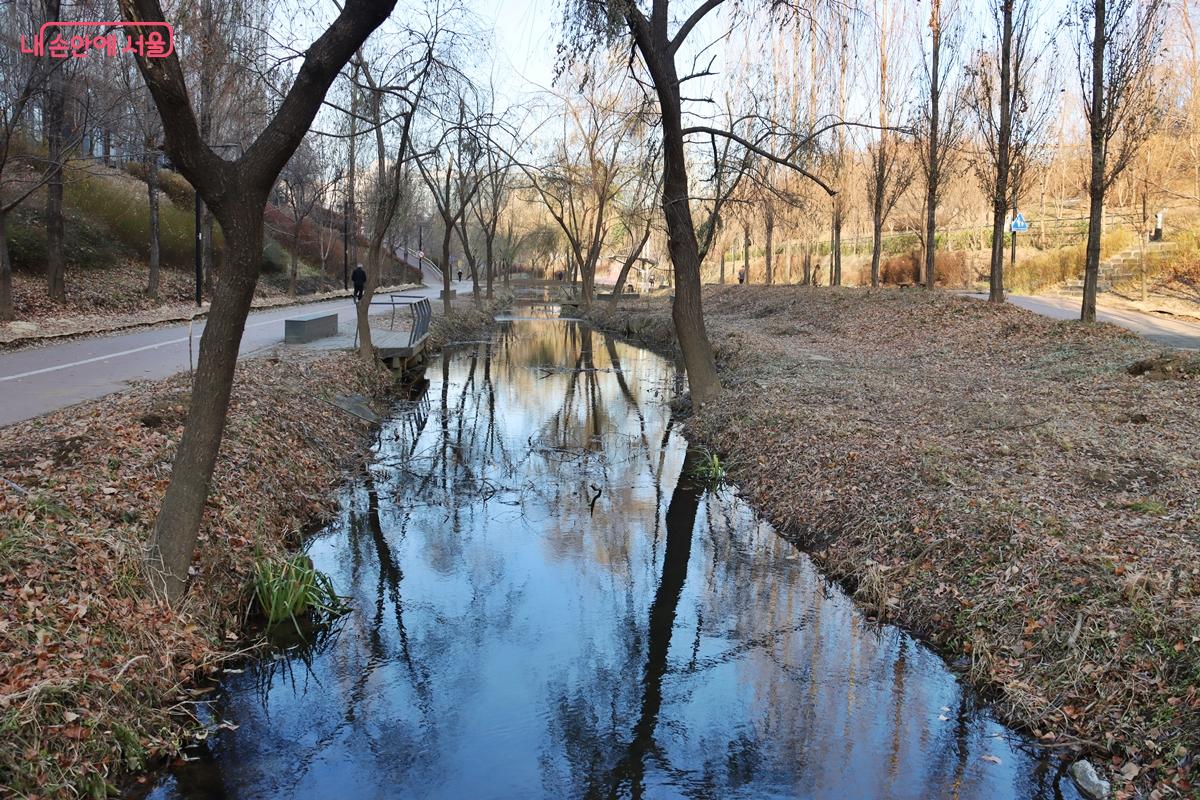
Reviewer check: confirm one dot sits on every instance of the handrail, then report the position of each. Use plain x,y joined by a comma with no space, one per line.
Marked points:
422,262
422,315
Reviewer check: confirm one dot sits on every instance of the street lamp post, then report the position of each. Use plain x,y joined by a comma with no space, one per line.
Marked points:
199,253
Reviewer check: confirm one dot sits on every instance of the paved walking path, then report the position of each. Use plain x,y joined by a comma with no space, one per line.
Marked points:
1159,328
38,380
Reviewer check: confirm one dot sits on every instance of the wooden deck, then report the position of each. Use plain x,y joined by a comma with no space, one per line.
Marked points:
395,348
401,349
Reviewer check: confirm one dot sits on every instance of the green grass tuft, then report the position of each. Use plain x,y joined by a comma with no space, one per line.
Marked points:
708,469
287,589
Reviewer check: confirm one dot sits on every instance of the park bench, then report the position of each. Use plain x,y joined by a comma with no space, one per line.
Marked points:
310,327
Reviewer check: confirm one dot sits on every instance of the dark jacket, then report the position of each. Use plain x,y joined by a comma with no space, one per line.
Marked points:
359,276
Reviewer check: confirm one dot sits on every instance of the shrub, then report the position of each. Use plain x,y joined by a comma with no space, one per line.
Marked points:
707,469
275,258
1049,267
949,266
87,244
172,184
125,212
899,269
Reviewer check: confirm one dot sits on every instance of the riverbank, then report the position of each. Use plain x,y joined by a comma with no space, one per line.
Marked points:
993,480
93,671
96,678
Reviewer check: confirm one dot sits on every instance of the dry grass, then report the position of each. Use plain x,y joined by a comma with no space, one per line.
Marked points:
91,668
991,479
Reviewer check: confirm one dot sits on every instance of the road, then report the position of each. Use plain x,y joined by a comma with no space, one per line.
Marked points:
1161,329
37,380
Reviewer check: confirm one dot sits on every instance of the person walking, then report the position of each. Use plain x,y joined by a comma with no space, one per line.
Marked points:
742,275
359,277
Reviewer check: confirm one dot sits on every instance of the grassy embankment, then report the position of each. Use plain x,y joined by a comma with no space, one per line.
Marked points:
106,246
993,480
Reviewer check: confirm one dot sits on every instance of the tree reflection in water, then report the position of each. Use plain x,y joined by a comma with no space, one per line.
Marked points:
542,608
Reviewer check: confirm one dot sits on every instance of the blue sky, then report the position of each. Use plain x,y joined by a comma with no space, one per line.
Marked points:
526,35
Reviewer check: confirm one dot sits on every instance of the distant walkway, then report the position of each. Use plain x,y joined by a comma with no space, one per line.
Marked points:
38,380
1165,330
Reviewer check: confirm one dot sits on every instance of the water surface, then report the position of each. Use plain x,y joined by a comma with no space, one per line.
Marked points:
543,608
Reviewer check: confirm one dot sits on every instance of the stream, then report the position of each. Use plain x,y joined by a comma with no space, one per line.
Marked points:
544,607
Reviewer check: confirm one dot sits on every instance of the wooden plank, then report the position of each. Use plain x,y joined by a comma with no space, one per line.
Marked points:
390,344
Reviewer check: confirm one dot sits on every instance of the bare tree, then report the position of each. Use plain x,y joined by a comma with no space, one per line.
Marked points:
21,80
839,159
495,187
891,168
150,128
399,98
635,211
441,166
1118,46
594,23
939,129
237,192
302,184
1011,114
584,176
54,119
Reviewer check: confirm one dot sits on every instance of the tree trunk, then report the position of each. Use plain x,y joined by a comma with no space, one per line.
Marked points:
374,270
769,267
174,540
588,279
687,310
746,252
722,264
447,267
1000,191
489,252
152,196
472,265
807,263
237,193
835,245
352,173
1091,268
932,176
7,311
206,101
473,268
209,260
876,229
634,254
294,268
56,286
